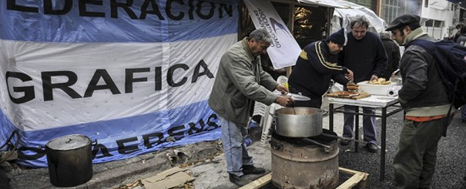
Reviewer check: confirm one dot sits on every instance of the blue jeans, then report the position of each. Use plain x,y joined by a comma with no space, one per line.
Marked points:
368,123
234,147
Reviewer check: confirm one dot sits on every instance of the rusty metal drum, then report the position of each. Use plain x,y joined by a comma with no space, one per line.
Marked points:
300,164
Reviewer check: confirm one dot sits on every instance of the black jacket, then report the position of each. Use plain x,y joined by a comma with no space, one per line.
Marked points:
422,86
393,55
365,57
313,70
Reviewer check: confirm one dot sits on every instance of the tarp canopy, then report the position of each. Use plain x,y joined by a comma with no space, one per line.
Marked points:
326,3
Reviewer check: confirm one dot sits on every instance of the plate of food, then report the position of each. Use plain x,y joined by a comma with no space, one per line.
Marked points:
376,87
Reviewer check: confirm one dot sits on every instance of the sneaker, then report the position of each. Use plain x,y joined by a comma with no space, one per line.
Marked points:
372,148
250,169
344,142
238,180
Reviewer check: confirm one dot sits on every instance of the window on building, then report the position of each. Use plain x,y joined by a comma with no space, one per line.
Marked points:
391,9
434,23
426,3
429,23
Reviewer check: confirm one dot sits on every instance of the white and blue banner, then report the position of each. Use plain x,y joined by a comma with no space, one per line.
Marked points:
285,50
134,76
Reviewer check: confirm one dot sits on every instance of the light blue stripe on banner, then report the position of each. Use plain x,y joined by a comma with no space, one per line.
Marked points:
117,21
126,137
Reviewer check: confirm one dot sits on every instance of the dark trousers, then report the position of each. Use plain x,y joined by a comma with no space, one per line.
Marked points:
414,162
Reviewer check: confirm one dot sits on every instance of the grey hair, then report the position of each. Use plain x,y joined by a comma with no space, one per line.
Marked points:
260,35
360,21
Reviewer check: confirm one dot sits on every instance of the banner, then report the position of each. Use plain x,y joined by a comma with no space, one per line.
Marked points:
134,77
285,50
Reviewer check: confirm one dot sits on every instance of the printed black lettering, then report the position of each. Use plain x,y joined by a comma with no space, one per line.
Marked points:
228,9
103,149
49,8
83,8
122,149
11,5
171,71
168,10
109,84
174,9
125,6
28,91
157,139
129,80
155,9
191,9
158,78
48,86
193,129
211,122
177,132
198,74
210,13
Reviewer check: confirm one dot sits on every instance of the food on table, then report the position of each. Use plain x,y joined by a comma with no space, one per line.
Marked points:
380,81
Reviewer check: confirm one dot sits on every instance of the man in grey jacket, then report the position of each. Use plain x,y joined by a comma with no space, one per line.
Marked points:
239,82
425,102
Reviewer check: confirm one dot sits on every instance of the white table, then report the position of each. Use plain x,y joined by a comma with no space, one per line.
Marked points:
388,105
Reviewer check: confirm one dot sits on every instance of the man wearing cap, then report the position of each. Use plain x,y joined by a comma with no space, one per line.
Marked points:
313,70
425,102
365,55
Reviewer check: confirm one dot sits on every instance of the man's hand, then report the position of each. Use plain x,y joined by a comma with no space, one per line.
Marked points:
282,89
349,75
284,100
374,77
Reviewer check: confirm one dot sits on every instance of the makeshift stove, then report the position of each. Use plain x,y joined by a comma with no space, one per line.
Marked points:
304,163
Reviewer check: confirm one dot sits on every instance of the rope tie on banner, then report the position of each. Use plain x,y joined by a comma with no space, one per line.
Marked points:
11,154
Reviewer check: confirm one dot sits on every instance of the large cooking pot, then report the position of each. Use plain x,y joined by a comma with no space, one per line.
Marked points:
69,160
298,122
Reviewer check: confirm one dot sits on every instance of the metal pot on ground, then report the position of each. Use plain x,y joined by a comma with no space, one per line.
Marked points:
69,160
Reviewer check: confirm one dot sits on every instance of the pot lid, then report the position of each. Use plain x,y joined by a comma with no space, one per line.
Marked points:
68,142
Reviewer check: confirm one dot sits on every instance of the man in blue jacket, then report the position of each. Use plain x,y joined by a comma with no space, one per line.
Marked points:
314,69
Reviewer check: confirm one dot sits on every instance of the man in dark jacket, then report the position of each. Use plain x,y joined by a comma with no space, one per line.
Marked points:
462,41
425,102
393,55
240,80
365,56
313,70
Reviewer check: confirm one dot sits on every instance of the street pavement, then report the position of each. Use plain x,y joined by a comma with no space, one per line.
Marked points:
205,163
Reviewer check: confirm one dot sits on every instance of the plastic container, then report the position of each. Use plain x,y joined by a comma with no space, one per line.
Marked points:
375,89
283,80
